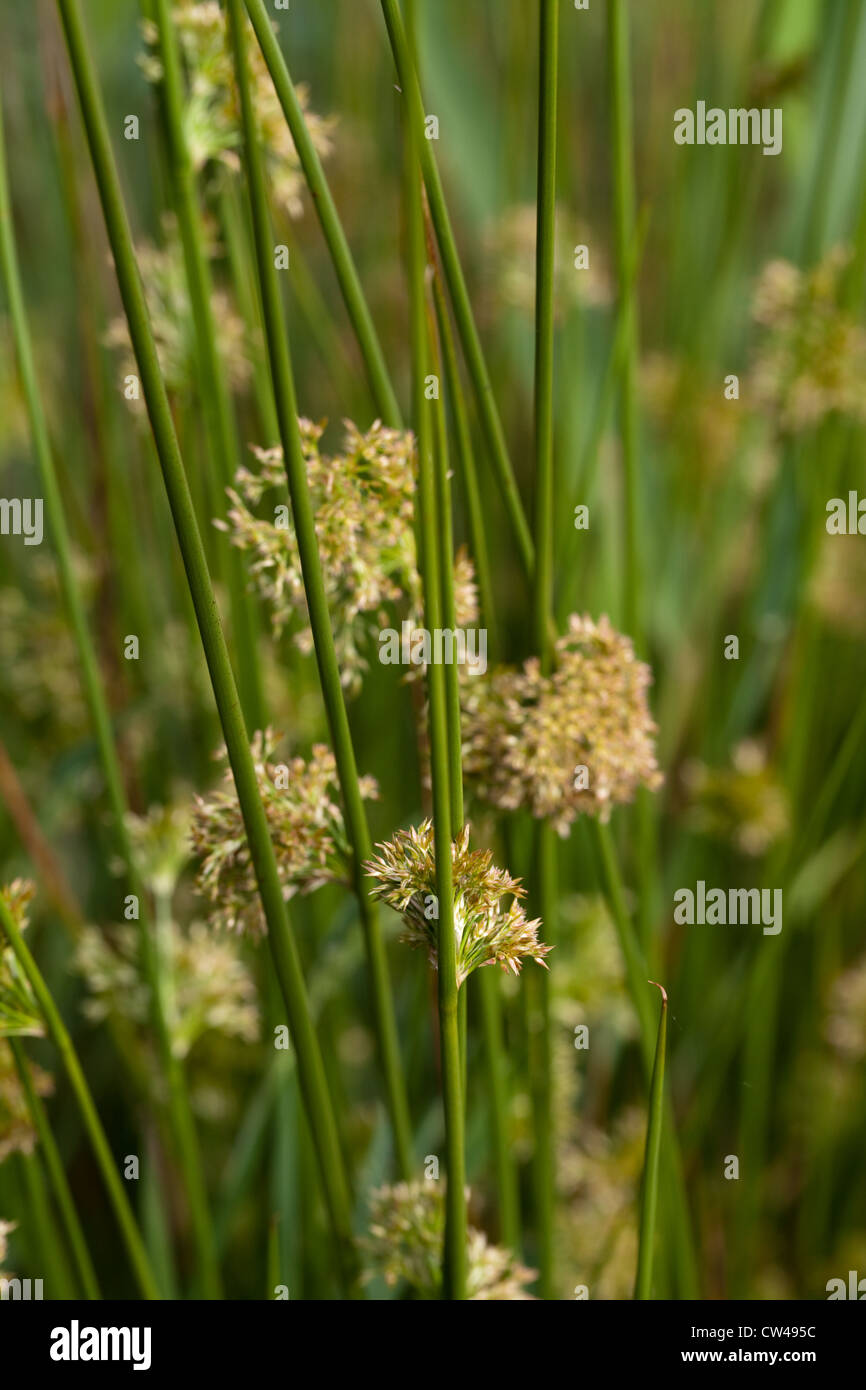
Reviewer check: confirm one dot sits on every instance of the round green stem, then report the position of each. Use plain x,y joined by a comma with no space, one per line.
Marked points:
317,603
54,1164
179,1108
63,1042
280,937
329,218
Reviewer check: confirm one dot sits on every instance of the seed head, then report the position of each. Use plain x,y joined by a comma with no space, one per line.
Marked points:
405,1244
487,932
744,804
212,989
532,740
812,356
17,1134
363,502
301,801
211,116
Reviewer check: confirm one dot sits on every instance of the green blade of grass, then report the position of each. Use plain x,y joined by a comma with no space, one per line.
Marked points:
652,1156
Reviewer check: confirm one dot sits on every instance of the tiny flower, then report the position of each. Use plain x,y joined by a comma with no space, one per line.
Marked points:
302,804
405,1244
578,741
19,1012
487,932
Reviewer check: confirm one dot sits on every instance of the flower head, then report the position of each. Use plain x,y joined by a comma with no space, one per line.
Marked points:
487,932
405,1243
363,502
579,740
744,804
167,293
211,117
212,990
19,1012
6,1229
301,801
17,1134
812,356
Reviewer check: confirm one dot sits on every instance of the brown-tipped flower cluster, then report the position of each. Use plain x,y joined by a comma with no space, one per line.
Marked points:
19,1011
305,819
405,1245
744,804
363,502
579,740
211,116
17,1134
812,359
487,932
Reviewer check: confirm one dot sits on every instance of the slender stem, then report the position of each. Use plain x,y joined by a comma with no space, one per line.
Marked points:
179,1108
650,1184
58,1275
54,1164
216,402
635,968
329,218
63,1042
317,603
458,293
545,860
280,937
619,81
466,456
454,1253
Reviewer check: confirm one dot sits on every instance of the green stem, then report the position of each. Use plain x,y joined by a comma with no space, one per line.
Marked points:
650,1185
179,1108
454,1253
102,1151
636,974
216,402
329,218
458,293
317,603
545,858
280,938
465,454
54,1164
